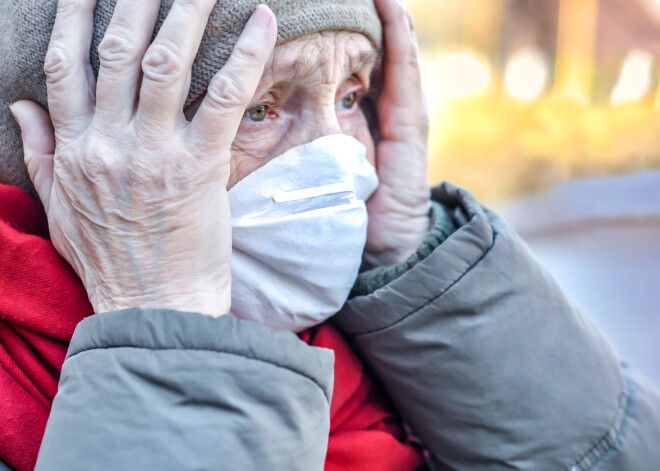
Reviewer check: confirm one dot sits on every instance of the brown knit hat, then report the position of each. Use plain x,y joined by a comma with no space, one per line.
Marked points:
26,25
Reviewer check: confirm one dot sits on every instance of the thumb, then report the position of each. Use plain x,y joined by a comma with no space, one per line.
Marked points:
38,145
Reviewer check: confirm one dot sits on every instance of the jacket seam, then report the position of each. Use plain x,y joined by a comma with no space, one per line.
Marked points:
121,347
610,440
442,293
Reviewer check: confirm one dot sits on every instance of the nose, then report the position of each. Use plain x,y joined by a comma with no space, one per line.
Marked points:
316,121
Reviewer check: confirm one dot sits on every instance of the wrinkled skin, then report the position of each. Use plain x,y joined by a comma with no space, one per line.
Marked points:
136,193
304,105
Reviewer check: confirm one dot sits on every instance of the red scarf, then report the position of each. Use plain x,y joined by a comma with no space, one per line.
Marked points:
41,302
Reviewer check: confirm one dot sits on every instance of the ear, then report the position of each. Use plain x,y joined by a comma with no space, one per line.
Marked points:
38,145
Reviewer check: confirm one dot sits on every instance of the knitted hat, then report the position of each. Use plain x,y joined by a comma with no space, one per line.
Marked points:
26,25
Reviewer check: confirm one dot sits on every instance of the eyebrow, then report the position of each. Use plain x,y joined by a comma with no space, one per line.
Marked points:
301,67
363,60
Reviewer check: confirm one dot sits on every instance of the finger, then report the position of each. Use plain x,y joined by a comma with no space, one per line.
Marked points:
401,65
38,145
167,63
69,77
120,54
215,124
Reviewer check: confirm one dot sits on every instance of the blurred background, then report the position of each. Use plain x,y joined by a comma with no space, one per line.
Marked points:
549,112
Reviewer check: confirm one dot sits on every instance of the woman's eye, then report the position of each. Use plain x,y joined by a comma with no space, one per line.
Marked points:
258,113
349,100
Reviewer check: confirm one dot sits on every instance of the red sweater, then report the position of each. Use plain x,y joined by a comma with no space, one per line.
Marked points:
41,302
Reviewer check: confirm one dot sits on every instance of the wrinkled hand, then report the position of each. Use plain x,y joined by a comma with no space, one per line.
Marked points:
399,210
136,195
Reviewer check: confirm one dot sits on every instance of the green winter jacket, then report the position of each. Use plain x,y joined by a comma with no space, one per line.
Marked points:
483,354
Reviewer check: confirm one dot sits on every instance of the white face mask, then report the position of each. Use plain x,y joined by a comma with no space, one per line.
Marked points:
299,229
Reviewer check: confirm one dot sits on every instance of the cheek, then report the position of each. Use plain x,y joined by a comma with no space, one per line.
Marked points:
242,164
255,144
356,125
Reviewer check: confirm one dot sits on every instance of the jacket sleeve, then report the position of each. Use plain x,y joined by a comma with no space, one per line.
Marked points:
167,390
494,367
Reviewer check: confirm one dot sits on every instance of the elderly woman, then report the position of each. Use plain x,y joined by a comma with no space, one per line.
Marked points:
191,361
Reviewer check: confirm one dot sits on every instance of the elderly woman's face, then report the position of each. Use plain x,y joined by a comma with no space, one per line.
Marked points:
311,87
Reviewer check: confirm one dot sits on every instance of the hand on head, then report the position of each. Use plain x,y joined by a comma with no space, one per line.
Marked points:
135,195
399,210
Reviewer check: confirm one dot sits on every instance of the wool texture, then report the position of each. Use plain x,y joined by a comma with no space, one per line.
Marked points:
26,26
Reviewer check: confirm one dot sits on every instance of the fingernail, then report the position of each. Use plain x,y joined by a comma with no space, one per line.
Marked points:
262,17
12,108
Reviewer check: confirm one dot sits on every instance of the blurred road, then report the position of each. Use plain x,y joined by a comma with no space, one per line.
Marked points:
601,240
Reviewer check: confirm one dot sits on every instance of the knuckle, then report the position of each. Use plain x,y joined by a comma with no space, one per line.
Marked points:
248,52
162,64
116,49
401,15
96,165
226,92
57,64
409,20
413,63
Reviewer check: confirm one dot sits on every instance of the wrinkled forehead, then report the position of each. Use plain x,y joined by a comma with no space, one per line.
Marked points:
327,54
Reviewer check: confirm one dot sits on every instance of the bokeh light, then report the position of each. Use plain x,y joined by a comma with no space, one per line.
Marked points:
460,75
527,94
526,75
635,79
